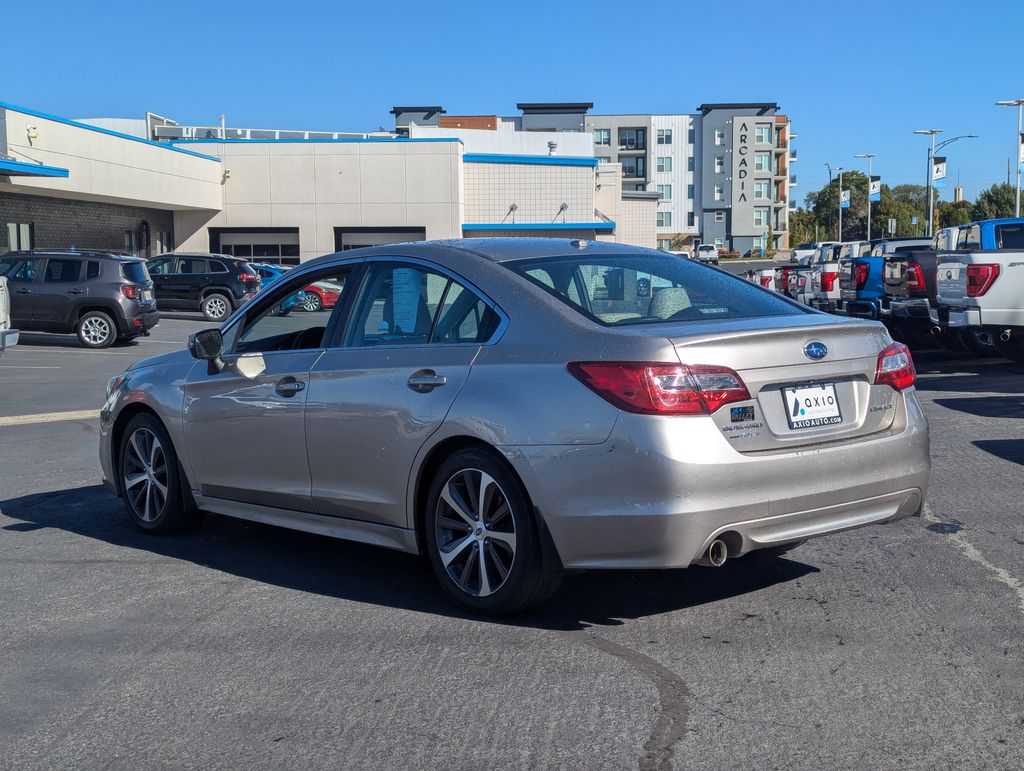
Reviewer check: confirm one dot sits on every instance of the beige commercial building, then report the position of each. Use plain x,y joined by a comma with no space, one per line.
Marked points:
108,184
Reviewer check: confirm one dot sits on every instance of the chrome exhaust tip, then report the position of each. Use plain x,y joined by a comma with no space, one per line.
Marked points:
936,330
1006,335
718,553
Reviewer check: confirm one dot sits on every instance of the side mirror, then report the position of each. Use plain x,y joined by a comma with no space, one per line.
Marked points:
207,345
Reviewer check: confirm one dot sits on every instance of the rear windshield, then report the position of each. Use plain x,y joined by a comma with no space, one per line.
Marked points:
135,272
617,290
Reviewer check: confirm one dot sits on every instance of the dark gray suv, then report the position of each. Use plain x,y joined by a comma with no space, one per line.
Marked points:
100,296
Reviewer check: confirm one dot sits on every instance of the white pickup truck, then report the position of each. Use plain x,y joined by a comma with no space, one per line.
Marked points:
981,284
8,336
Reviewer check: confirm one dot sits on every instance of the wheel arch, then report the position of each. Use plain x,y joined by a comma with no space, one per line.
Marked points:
432,460
111,308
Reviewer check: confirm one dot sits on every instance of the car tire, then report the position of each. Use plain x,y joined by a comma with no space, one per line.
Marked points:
1013,348
312,303
96,329
151,480
488,555
216,306
979,343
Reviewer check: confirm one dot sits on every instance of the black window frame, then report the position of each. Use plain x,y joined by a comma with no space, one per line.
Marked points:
50,260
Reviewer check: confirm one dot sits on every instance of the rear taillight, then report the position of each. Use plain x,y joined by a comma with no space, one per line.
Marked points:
980,279
915,277
828,281
655,388
131,292
766,282
860,276
895,367
248,277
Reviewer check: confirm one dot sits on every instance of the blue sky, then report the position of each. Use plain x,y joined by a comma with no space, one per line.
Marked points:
854,77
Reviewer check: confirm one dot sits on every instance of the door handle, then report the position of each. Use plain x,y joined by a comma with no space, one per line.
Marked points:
426,380
23,291
289,386
76,291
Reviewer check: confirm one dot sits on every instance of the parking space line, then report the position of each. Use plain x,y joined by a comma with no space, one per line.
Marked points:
974,554
48,417
23,366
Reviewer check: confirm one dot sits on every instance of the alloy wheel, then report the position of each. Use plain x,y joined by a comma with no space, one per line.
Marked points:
145,474
475,532
312,302
216,307
95,330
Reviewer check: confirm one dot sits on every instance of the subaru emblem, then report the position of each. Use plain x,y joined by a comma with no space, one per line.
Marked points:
815,350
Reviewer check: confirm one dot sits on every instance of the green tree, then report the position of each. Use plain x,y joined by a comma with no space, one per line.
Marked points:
803,227
953,214
825,205
997,201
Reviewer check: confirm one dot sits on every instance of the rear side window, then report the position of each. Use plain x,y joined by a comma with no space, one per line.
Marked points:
136,272
92,269
216,266
618,290
192,265
1010,237
62,271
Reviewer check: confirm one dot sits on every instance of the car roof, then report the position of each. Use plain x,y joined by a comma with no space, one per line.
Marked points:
494,249
91,254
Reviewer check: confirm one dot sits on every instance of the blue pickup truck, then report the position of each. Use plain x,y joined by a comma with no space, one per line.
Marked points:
862,278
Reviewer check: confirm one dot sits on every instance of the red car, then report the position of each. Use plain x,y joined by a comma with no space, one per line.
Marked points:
323,295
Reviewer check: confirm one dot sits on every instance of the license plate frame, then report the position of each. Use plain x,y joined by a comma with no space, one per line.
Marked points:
812,405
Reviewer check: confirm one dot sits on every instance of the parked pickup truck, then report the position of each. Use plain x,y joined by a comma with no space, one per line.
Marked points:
8,336
979,286
861,280
824,294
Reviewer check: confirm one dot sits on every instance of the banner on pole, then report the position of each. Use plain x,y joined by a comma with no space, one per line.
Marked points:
844,199
892,226
875,189
1020,148
939,171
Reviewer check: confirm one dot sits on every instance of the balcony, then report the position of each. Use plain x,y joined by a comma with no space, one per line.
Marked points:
633,147
792,180
792,156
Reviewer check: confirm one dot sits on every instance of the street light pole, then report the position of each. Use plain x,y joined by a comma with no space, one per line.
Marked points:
870,157
1016,103
931,171
840,204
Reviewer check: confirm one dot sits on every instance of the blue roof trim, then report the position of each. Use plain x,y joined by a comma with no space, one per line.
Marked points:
540,226
22,169
395,140
532,160
100,130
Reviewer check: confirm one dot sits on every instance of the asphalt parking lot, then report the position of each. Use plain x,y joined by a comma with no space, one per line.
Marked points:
244,645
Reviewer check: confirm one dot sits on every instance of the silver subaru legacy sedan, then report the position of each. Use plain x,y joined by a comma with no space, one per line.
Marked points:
515,408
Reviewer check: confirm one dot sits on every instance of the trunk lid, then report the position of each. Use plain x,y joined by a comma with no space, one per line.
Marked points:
769,355
951,282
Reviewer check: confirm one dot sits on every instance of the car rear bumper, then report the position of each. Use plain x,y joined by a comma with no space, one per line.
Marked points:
652,498
957,318
910,309
141,322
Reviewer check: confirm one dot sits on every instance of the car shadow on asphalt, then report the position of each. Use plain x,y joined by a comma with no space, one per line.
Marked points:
360,573
1007,449
960,374
54,340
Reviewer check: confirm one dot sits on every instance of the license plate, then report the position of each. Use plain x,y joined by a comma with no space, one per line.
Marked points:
147,295
812,406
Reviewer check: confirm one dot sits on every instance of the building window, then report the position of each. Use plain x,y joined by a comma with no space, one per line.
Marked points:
762,189
762,161
633,139
131,243
719,216
664,136
690,163
763,134
760,218
665,191
602,136
719,164
20,236
719,136
664,219
719,193
689,191
690,221
691,135
665,244
664,163
719,243
633,167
